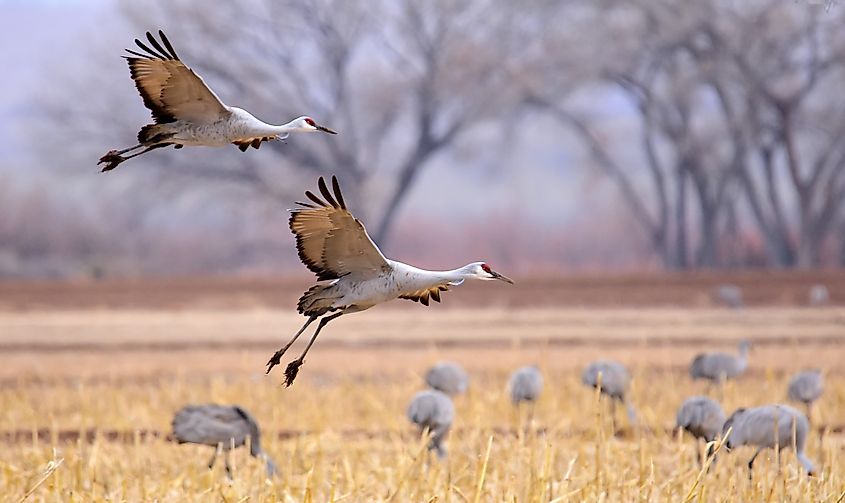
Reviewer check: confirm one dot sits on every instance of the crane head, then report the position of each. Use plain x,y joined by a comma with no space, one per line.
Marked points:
480,270
308,124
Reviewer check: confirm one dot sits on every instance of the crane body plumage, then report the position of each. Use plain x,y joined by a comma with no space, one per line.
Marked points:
186,112
806,387
353,273
222,427
432,410
703,418
769,426
525,385
717,367
447,377
614,381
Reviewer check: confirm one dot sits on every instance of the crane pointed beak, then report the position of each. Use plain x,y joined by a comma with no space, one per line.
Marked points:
500,277
325,129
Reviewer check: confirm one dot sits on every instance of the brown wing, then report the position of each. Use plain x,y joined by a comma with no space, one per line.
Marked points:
171,90
330,241
422,296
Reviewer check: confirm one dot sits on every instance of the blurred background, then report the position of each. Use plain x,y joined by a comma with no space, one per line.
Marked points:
539,135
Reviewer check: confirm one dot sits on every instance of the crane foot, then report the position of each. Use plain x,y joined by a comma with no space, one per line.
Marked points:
111,160
291,371
276,359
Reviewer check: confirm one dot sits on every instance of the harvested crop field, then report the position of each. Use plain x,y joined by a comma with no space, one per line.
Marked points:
91,374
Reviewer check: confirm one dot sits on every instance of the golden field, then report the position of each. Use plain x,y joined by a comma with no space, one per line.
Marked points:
87,393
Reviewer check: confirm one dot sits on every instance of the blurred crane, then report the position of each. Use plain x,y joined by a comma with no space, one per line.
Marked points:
187,112
806,387
433,411
819,295
718,367
334,245
525,385
703,418
448,377
614,381
769,426
222,427
729,295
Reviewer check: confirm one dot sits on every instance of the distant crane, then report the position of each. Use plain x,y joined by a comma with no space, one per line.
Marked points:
187,112
222,427
433,411
334,245
819,295
806,387
703,418
525,385
614,381
769,426
718,367
729,295
448,377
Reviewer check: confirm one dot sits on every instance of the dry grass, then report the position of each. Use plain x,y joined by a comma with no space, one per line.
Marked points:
345,435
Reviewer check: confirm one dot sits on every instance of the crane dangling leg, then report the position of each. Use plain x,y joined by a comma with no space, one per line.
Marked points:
277,357
113,158
293,367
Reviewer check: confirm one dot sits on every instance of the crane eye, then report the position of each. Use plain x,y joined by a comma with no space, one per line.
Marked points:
310,122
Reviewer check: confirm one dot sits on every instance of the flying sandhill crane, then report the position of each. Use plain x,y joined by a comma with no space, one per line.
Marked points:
614,381
448,377
222,427
432,410
334,245
525,385
703,418
767,427
718,367
806,387
187,112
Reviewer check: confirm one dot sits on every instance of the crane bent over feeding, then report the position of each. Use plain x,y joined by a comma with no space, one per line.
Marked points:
334,245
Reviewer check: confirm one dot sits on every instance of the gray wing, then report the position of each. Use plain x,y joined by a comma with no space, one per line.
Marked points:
171,90
330,241
210,425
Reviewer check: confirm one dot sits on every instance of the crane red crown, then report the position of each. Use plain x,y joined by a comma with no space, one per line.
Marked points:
486,268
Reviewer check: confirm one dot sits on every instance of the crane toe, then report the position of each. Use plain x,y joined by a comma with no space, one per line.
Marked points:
291,371
276,359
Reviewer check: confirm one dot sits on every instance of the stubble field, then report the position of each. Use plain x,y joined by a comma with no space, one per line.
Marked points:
90,379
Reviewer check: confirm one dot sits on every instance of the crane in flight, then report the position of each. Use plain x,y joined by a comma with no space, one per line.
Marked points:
334,245
187,112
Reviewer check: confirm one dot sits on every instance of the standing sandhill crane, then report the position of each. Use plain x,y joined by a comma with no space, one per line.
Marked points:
525,385
806,387
613,380
187,112
222,427
717,367
767,427
703,418
432,410
819,295
334,245
448,377
728,295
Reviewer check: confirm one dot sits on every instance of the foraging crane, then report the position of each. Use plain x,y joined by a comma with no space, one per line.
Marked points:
187,112
526,384
448,377
432,410
222,427
703,418
717,367
614,382
767,427
806,387
334,245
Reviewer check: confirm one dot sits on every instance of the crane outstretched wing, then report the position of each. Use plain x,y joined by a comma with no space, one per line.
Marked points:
330,241
171,90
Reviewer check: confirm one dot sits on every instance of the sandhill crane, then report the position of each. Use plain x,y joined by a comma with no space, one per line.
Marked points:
766,427
717,367
448,377
525,385
222,427
819,295
187,112
703,418
432,410
728,295
806,387
614,382
334,245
